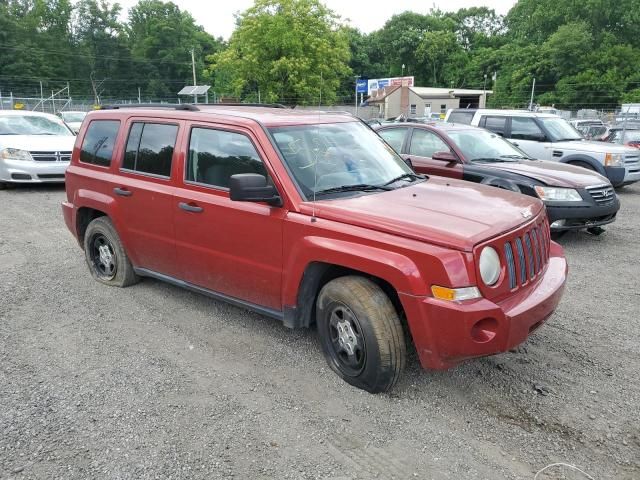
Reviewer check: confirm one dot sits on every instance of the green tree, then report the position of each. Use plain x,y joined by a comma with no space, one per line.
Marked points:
161,38
288,50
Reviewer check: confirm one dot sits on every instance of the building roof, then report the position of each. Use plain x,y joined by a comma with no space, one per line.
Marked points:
446,92
427,92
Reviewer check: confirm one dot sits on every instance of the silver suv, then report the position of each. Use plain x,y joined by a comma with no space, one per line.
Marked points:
548,137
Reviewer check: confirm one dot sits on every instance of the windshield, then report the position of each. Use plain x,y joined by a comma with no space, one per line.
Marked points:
484,146
31,125
559,129
336,155
73,117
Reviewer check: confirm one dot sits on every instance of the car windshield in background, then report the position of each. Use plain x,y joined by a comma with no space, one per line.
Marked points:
559,129
73,117
31,125
485,146
328,158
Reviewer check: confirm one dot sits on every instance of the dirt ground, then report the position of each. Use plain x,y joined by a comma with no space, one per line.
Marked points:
156,382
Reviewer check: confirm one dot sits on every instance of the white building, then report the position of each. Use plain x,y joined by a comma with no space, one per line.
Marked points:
393,101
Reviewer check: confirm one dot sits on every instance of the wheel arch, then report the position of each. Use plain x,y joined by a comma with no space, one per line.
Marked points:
573,159
315,276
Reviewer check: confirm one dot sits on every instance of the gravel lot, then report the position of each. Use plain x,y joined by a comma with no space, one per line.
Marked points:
156,382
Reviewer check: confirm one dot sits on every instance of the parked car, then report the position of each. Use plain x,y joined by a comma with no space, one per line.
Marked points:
624,136
591,129
73,119
548,137
575,198
312,219
34,147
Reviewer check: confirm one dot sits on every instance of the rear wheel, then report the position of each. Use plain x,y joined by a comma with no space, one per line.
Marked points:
105,255
361,334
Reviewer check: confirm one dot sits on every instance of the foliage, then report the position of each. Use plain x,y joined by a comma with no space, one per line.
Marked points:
289,51
582,53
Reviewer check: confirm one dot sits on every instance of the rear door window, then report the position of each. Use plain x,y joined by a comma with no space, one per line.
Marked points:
98,142
495,124
216,155
425,144
394,137
150,148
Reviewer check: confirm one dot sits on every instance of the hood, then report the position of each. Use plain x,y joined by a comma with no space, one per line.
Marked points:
39,143
554,174
594,147
449,213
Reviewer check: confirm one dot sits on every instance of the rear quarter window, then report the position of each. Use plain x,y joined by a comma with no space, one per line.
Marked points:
461,117
98,142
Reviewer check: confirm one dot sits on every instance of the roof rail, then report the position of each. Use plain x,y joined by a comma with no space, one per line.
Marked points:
238,104
174,106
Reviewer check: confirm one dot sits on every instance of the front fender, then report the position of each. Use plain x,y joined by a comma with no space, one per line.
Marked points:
396,269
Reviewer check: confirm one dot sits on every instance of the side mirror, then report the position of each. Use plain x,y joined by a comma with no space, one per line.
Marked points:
252,187
444,156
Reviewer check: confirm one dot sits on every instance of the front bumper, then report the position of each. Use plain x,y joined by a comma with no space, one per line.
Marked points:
19,171
446,333
581,216
631,176
616,175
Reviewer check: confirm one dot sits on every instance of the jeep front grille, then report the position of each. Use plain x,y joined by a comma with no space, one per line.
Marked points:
527,254
51,156
602,194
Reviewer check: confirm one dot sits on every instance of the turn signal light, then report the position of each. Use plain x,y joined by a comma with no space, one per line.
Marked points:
455,294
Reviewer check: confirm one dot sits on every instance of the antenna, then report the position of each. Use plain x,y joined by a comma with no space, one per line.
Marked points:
317,153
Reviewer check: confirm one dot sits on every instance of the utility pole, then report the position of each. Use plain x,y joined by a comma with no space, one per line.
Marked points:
533,90
356,94
41,97
193,66
402,70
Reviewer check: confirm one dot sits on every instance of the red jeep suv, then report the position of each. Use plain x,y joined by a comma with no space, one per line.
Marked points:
311,218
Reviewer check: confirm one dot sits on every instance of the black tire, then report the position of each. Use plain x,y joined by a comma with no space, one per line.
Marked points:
3,185
105,256
374,335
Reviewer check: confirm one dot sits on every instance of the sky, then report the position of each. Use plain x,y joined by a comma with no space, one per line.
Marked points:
216,16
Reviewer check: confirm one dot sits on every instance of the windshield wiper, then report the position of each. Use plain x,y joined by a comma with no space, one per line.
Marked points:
517,157
412,177
357,187
574,139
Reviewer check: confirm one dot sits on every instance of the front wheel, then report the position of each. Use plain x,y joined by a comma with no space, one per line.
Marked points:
105,255
361,334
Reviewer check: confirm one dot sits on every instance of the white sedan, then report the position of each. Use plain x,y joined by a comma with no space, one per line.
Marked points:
34,147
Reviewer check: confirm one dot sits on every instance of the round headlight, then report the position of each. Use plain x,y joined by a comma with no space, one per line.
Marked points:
489,266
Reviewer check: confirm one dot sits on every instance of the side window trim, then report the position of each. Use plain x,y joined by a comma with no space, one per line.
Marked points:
130,123
225,128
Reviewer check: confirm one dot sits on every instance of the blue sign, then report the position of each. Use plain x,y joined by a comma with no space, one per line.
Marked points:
362,85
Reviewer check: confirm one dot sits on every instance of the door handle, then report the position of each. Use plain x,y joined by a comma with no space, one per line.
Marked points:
123,192
190,208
